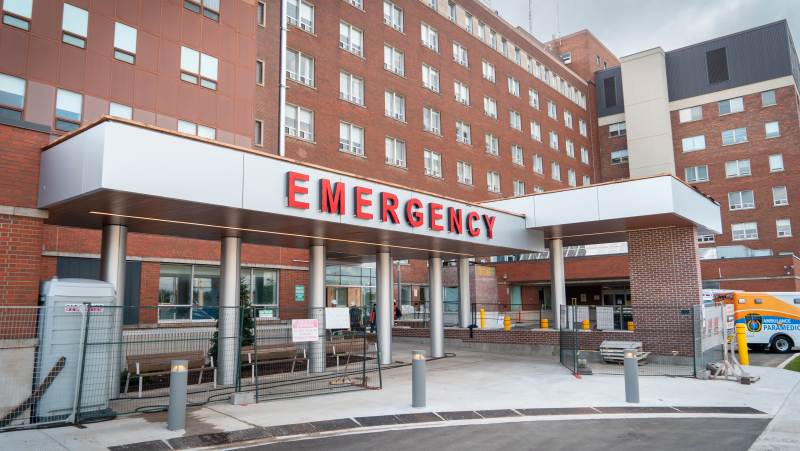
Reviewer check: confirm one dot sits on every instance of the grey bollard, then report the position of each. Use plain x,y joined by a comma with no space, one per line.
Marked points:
178,380
631,376
418,379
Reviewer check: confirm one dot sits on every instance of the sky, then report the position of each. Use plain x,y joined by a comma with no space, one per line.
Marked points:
631,26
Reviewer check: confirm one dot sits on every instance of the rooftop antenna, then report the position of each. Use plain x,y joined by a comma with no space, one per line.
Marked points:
530,17
558,23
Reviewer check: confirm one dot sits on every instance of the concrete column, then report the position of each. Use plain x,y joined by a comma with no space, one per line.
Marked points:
436,306
316,306
383,310
558,292
464,306
113,248
229,299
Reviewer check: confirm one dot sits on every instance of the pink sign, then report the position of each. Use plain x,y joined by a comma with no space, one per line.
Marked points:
304,330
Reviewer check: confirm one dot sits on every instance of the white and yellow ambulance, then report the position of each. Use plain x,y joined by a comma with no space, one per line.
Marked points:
771,319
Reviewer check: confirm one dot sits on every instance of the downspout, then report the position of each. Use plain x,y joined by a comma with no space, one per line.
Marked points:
282,86
591,124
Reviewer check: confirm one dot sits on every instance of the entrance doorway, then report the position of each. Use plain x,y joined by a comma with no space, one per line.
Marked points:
617,295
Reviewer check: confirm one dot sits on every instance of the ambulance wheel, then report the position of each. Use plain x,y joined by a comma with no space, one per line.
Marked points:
781,344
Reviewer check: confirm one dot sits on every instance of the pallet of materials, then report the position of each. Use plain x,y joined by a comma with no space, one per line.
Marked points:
614,351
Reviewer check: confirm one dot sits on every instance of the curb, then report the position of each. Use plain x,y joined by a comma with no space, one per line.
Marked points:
786,362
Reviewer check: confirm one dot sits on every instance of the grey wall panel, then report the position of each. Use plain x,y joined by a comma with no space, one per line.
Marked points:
599,79
89,268
794,59
754,55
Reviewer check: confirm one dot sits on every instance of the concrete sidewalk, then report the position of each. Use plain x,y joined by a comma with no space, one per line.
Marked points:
783,432
470,381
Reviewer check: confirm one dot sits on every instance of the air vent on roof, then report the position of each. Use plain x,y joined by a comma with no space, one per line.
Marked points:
610,89
717,63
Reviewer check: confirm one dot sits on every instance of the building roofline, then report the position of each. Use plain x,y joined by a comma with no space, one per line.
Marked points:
784,21
586,30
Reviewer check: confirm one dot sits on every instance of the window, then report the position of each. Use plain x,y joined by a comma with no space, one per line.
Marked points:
691,114
395,152
431,120
519,187
493,39
772,129
571,177
570,148
779,196
737,135
430,37
462,92
517,56
605,65
598,60
468,22
194,64
488,71
351,88
570,94
260,72
567,118
124,43
513,86
583,100
451,11
582,127
553,140
516,154
464,172
198,130
69,107
555,168
584,155
75,25
300,14
516,120
566,58
551,110
393,15
538,189
123,111
258,135
493,181
737,168
395,105
209,9
775,163
745,231
261,14
299,122
505,47
12,96
693,143
351,138
784,229
463,132
490,107
432,4
351,38
299,67
460,54
697,174
393,59
731,106
206,132
433,163
586,180
705,239
481,31
536,131
768,98
530,64
619,156
430,78
492,144
18,13
741,199
618,129
533,98
538,164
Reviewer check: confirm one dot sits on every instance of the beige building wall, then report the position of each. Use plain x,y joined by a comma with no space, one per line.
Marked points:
649,131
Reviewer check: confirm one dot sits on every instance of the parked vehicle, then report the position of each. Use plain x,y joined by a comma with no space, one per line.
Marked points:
771,319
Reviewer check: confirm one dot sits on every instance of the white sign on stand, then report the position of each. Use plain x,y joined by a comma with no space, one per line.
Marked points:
337,318
729,316
304,330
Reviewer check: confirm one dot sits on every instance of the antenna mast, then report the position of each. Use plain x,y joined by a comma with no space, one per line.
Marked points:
558,22
530,17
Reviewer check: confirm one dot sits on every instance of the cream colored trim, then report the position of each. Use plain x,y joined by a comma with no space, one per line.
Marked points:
643,54
613,119
753,88
23,212
180,261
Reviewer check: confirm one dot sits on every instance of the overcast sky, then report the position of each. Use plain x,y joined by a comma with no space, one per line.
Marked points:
630,26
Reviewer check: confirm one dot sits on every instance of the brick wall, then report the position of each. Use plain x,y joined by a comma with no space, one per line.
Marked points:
20,259
607,146
19,166
148,293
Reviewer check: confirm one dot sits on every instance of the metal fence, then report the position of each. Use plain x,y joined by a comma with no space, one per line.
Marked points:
494,314
420,316
68,366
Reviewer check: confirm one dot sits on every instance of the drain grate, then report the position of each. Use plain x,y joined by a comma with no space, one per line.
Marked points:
636,410
463,415
334,425
736,410
155,445
409,418
290,429
558,411
502,413
221,438
382,420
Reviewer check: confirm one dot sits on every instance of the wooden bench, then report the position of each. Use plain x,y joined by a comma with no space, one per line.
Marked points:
273,353
147,365
345,346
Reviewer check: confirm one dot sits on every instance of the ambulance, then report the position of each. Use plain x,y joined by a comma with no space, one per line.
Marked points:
772,320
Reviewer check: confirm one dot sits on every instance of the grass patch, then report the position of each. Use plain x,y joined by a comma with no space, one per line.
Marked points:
794,365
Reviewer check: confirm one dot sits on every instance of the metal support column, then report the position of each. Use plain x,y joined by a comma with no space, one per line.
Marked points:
316,306
229,301
436,306
464,316
384,311
558,293
113,248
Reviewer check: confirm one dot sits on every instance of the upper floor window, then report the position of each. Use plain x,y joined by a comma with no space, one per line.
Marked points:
566,58
351,138
124,43
299,67
534,98
468,22
693,143
460,54
605,65
516,154
551,110
300,14
299,122
351,88
210,8
462,92
393,59
492,144
464,172
261,14
431,120
583,100
198,130
538,70
745,231
617,129
12,96
517,56
451,11
567,118
586,180
432,4
516,120
555,168
519,188
619,156
395,152
481,31
570,148
493,181
393,15
741,199
731,106
490,107
584,155
737,168
553,140
582,127
260,72
538,164
351,38
17,13
538,189
779,196
488,71
395,105
784,227
546,78
772,129
430,37
493,39
75,26
536,131
734,136
69,110
433,163
123,111
463,133
196,65
513,85
571,177
529,63
505,47
690,114
430,78
768,98
776,162
697,174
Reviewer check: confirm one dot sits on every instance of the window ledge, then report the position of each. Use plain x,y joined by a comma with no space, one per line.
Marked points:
396,166
496,155
432,133
463,143
465,184
494,192
728,114
297,83
687,122
785,236
540,174
386,24
695,150
737,176
439,93
515,129
618,136
771,137
395,73
353,103
351,53
354,6
779,205
395,119
298,138
744,239
739,209
433,176
771,104
613,164
522,165
777,170
429,48
698,181
462,103
298,28
583,162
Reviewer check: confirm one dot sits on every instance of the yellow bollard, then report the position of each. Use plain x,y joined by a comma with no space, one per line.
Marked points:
483,320
586,324
507,323
741,342
630,325
545,324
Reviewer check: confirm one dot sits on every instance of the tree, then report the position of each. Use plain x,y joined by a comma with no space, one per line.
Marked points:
247,326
